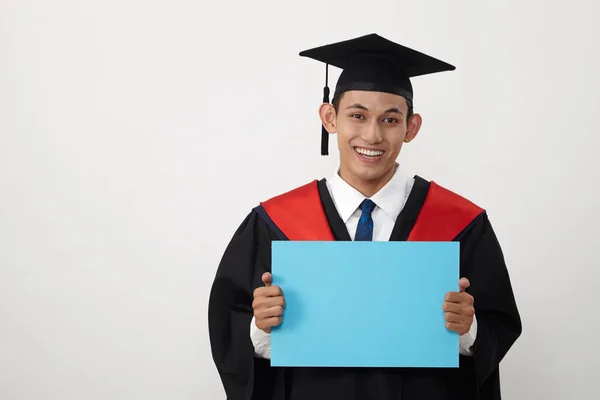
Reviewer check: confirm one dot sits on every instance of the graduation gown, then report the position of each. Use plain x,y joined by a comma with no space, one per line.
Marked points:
248,256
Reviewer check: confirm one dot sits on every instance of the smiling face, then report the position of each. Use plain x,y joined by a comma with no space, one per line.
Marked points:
371,128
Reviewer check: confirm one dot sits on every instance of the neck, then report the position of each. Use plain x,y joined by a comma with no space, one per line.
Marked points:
368,187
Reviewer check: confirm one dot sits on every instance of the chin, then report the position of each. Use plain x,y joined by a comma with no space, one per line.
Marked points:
371,173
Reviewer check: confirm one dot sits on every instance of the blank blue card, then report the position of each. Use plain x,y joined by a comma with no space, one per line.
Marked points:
364,304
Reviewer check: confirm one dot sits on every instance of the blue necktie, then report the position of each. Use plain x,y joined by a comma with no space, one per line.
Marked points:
364,230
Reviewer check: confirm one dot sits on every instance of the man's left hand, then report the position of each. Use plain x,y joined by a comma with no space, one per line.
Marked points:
458,309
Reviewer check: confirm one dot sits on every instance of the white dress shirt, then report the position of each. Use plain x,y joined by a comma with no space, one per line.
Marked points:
390,201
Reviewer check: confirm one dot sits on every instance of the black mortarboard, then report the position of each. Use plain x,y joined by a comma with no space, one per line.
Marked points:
373,63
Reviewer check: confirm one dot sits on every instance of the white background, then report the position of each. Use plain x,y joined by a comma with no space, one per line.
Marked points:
136,135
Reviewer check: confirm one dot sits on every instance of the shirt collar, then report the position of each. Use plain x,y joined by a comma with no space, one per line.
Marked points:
390,199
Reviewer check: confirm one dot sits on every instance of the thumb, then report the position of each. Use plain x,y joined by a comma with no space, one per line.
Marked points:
267,278
463,284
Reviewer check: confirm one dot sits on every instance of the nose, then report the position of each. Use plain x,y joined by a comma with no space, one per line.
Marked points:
372,133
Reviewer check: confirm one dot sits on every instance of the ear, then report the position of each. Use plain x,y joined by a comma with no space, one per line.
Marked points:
412,127
328,115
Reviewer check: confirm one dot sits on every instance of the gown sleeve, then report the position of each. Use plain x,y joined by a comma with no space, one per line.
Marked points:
498,320
245,259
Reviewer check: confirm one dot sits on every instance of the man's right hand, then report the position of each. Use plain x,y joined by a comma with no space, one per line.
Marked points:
268,304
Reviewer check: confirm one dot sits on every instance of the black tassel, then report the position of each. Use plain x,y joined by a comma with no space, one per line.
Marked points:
324,133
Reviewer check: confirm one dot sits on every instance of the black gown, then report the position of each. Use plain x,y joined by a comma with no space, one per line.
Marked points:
246,377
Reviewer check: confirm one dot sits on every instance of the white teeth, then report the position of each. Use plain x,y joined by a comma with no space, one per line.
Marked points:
369,153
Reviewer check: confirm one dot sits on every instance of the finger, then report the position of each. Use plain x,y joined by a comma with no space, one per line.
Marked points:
463,298
267,302
268,323
459,308
453,297
452,307
463,284
268,291
458,328
455,318
267,278
276,311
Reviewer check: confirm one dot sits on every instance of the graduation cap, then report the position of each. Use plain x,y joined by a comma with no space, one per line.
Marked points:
373,63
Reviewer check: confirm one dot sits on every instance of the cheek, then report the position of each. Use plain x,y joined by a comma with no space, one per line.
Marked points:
395,138
395,148
347,130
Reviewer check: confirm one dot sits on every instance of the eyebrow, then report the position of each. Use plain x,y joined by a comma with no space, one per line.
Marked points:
390,110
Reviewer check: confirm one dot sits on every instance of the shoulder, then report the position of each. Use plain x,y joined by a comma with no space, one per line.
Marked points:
444,213
302,199
297,214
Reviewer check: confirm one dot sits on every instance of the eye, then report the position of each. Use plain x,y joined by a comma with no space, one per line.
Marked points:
390,120
356,115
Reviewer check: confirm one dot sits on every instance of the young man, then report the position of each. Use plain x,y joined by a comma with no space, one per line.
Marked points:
368,198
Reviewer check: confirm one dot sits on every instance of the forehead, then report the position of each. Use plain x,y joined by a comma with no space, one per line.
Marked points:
373,100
